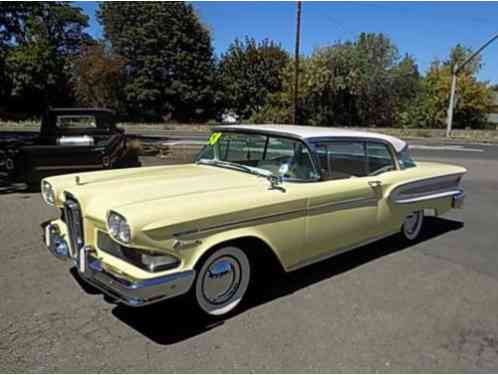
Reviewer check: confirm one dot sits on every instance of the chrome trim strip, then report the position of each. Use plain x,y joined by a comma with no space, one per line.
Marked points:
337,205
435,187
343,250
345,204
435,195
235,223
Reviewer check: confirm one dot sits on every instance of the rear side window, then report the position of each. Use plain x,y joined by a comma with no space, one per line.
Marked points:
342,159
405,159
380,158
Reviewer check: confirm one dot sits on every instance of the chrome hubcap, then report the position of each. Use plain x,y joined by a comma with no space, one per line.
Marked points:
221,280
411,222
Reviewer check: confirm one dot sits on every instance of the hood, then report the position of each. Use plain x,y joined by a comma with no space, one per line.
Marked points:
120,190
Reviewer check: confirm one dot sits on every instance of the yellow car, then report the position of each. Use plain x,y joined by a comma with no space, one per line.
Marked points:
255,194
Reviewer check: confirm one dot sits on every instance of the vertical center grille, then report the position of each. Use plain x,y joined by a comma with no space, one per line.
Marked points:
74,221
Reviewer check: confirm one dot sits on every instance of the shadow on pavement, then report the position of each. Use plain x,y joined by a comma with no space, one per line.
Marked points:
175,320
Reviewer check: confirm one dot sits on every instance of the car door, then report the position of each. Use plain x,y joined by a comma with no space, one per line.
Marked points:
382,169
343,208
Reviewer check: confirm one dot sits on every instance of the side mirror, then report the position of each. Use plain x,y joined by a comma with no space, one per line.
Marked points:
276,183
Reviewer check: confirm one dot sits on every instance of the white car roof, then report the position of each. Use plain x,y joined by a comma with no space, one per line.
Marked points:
306,132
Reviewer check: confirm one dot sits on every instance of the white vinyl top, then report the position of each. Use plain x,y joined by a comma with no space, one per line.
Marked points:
306,132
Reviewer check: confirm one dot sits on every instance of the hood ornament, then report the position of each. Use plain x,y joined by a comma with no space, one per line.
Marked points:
78,181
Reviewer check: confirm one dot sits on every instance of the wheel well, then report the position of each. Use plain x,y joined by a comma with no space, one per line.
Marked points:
260,254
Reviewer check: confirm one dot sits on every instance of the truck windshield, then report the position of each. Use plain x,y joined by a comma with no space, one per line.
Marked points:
76,122
263,154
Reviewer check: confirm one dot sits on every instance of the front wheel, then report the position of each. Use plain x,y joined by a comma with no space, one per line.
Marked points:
412,225
222,281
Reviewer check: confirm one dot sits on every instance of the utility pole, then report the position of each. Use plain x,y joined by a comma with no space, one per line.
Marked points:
457,69
296,62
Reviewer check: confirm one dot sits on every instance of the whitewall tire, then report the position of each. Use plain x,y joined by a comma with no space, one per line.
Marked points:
222,281
412,225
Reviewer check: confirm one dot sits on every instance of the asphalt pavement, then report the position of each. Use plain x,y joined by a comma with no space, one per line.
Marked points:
431,306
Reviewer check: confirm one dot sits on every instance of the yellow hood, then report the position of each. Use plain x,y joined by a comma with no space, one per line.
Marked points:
99,192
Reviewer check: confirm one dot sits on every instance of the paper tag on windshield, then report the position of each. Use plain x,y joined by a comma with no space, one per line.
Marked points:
214,138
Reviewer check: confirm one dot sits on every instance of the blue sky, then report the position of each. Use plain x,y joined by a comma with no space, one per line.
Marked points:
424,30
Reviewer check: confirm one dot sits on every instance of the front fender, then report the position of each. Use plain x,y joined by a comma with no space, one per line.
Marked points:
210,241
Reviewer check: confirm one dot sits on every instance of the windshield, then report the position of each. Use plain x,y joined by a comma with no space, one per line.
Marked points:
259,154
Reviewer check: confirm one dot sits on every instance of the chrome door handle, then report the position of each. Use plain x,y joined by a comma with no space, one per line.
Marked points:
375,184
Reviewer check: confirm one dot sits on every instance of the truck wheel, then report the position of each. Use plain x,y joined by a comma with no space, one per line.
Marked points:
222,281
412,225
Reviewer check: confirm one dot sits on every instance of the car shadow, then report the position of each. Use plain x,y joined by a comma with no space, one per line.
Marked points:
175,320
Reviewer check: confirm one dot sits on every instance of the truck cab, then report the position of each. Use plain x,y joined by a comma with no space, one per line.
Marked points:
71,140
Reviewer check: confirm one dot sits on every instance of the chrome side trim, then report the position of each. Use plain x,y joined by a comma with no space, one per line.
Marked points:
337,205
426,189
238,222
443,194
343,205
343,250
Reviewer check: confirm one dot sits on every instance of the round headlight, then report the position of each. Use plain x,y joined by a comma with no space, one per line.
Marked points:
48,193
118,227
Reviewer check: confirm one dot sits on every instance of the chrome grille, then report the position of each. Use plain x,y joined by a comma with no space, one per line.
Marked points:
74,221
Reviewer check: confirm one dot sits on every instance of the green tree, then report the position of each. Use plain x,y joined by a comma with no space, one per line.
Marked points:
354,83
459,54
170,66
98,77
250,73
40,38
473,99
13,16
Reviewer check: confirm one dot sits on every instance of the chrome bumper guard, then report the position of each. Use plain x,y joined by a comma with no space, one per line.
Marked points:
131,292
458,200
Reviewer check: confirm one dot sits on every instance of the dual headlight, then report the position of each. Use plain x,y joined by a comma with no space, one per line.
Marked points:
48,193
118,227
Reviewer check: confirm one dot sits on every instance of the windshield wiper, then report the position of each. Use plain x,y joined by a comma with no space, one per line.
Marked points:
241,167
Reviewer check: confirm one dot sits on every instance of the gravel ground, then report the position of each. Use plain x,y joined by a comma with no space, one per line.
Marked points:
431,306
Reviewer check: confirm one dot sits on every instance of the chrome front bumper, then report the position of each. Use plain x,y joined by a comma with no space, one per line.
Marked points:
122,288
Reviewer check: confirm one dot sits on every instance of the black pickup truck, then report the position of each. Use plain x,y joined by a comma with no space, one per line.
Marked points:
70,140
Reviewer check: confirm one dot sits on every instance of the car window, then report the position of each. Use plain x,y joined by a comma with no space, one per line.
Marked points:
280,156
240,148
405,159
342,159
76,122
380,159
288,158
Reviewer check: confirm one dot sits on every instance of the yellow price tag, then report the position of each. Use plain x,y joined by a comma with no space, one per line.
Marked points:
214,138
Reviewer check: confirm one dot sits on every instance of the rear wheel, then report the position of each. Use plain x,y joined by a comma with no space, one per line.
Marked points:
222,281
412,225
